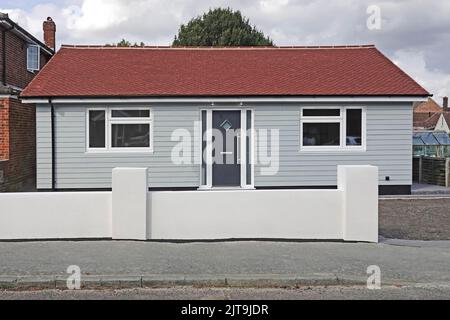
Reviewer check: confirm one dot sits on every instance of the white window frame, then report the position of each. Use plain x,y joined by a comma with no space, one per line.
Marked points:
96,149
342,120
38,57
109,121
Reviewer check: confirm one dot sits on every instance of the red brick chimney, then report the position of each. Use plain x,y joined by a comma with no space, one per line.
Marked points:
445,104
49,33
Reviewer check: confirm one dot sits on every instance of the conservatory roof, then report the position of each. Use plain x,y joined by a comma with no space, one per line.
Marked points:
431,138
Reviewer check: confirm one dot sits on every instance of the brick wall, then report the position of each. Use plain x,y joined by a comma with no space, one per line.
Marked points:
4,129
19,171
17,120
16,61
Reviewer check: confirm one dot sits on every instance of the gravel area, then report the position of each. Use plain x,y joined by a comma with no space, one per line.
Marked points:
415,218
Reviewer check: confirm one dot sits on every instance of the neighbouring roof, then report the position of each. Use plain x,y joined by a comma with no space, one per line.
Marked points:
425,121
428,107
15,27
102,71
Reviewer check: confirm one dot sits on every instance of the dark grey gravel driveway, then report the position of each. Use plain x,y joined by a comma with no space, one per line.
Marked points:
415,218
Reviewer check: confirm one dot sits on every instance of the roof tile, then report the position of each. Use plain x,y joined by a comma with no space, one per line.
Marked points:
90,71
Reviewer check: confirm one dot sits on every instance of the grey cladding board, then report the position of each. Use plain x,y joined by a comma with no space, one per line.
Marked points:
388,128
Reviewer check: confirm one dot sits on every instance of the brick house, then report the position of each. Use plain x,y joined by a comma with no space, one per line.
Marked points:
21,57
429,115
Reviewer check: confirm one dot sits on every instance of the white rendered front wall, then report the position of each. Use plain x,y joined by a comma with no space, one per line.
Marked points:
131,212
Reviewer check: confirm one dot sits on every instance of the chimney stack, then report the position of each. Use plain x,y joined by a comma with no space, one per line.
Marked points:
445,104
49,33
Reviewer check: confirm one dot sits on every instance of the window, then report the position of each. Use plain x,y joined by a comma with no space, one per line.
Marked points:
204,143
321,134
33,57
130,113
248,147
354,127
130,135
114,129
321,112
97,128
332,128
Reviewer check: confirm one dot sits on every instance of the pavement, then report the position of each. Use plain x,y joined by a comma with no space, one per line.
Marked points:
429,189
267,264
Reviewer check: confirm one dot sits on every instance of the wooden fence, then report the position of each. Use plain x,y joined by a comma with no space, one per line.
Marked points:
432,170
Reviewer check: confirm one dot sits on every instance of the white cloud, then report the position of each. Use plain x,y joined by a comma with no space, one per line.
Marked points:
273,5
96,15
414,32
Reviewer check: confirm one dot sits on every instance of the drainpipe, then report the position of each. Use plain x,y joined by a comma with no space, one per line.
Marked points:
52,123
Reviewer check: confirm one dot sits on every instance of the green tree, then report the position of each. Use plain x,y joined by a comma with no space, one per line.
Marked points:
220,27
126,43
123,43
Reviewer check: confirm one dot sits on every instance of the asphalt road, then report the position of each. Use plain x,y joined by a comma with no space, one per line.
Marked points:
190,293
399,261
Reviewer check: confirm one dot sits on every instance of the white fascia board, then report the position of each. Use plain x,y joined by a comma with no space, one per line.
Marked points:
24,100
232,100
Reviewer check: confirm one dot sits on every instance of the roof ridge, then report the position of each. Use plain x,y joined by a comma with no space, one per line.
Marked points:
87,46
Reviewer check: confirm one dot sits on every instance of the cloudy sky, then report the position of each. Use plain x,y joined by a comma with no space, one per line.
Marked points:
414,33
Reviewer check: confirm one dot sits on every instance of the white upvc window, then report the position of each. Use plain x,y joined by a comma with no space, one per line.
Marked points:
119,129
33,57
333,128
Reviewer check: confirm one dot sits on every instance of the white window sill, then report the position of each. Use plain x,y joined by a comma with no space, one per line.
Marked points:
332,150
133,151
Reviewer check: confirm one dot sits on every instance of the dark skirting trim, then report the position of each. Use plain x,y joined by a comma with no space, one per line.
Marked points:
109,189
295,187
174,189
382,190
394,190
73,189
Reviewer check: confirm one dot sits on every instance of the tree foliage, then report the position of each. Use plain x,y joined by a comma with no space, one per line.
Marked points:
126,43
123,43
220,27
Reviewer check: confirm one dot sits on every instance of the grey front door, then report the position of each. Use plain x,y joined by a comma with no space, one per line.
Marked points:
226,169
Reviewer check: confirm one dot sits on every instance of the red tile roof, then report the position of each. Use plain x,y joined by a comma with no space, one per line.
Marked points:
426,122
428,107
95,71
